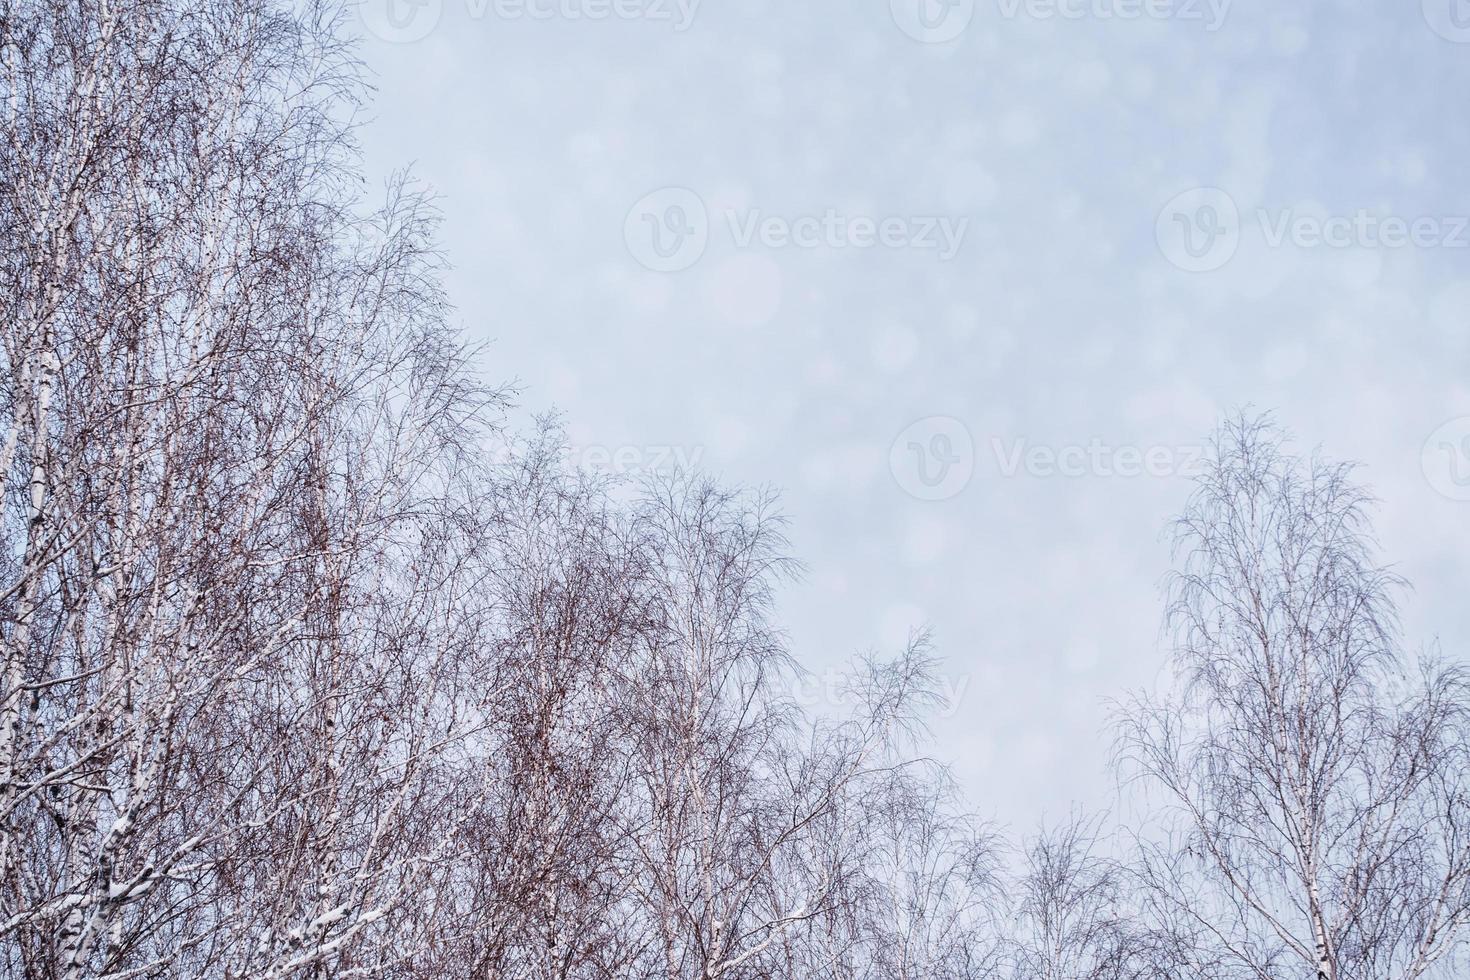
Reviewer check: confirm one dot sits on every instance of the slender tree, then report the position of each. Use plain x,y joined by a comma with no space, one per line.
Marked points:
1313,778
240,508
1073,918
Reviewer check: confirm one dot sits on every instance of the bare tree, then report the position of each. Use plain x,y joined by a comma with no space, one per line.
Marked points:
539,885
1072,916
296,680
1313,777
732,816
934,884
240,507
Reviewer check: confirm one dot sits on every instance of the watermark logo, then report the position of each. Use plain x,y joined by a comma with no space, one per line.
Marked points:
407,21
1363,229
400,21
933,459
835,689
1199,230
932,21
938,21
679,13
1446,459
832,229
1450,19
1209,13
631,461
667,231
1097,458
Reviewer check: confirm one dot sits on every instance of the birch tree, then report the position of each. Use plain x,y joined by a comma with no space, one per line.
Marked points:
238,513
933,884
1312,776
298,679
731,816
1073,915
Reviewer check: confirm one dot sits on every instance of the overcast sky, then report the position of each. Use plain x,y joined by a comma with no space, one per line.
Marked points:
969,282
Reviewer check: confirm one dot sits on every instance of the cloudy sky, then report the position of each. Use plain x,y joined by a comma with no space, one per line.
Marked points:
970,282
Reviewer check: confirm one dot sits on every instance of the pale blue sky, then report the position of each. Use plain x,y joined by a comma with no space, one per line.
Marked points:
827,162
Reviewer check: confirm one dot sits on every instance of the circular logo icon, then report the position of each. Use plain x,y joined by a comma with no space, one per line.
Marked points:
1450,19
666,231
933,459
400,21
932,21
1199,230
1447,459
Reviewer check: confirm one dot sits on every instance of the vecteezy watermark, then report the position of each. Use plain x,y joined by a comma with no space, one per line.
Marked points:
1450,19
629,461
668,230
938,21
407,21
835,689
1447,459
933,459
1200,229
400,21
932,21
1015,457
1364,229
834,230
1210,14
